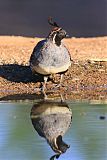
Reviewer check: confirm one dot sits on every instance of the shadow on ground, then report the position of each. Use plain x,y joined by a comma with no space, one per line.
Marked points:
22,97
33,96
19,73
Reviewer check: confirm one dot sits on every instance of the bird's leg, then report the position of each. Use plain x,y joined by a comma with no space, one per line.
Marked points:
61,79
44,83
44,86
60,82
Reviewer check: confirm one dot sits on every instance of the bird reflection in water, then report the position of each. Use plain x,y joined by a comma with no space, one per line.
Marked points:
52,120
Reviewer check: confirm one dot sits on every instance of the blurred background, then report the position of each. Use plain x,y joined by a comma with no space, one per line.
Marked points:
80,18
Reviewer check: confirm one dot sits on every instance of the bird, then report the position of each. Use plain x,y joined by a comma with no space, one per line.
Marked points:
50,56
52,120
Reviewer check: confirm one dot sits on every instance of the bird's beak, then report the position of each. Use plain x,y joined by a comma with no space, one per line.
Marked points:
67,36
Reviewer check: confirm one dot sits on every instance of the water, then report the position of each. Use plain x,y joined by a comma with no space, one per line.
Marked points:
86,136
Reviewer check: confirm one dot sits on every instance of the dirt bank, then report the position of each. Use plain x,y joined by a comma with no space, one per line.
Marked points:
86,78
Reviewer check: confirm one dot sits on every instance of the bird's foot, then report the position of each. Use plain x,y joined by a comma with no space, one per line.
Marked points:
57,86
43,91
37,89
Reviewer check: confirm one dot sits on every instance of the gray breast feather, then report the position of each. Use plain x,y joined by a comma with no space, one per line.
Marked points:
49,54
36,52
51,126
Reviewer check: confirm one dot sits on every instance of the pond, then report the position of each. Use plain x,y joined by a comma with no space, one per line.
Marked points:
20,130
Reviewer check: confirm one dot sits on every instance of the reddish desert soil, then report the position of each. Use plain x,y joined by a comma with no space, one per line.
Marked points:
85,79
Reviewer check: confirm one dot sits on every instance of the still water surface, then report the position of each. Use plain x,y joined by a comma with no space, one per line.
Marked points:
87,135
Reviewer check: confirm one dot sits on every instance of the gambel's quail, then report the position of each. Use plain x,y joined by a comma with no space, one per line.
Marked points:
50,55
52,120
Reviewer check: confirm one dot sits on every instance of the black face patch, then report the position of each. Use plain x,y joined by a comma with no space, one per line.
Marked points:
57,35
61,34
62,146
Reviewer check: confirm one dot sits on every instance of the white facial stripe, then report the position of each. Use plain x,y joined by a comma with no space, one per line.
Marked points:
55,34
54,38
55,31
59,29
56,144
57,147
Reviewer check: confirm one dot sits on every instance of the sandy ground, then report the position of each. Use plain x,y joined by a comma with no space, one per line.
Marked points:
86,78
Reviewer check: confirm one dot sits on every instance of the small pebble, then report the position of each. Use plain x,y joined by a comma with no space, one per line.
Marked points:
102,117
